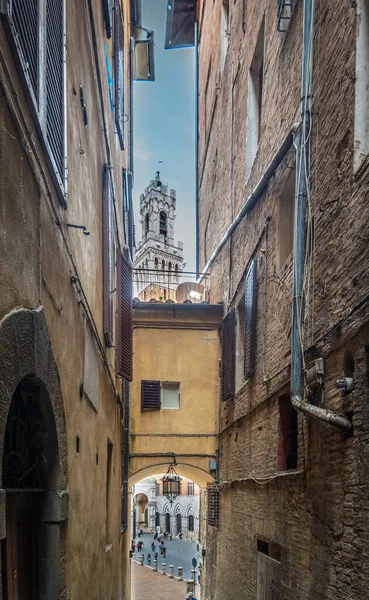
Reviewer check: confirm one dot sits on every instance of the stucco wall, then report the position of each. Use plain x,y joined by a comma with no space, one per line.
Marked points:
39,256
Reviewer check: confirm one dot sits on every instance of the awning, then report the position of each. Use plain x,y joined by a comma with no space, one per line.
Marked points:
181,18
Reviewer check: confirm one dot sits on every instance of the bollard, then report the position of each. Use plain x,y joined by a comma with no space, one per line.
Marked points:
155,565
180,573
171,571
193,571
163,569
142,558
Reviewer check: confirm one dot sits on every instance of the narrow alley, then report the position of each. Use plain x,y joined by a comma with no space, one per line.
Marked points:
184,287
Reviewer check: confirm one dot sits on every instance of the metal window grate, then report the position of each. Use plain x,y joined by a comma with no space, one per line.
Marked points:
54,83
213,506
228,354
285,8
25,20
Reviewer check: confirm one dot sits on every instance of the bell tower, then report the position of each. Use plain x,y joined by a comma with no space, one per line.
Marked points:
158,259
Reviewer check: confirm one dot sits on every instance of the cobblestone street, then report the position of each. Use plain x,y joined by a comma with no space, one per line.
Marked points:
146,584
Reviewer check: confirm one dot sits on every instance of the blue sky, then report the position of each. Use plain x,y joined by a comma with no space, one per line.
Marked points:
164,128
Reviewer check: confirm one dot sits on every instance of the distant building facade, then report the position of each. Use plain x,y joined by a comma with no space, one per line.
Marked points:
151,509
158,258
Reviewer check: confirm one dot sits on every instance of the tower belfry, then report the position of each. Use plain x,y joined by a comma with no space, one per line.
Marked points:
158,258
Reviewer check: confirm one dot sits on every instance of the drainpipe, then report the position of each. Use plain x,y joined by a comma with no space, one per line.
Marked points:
303,148
197,147
131,136
125,458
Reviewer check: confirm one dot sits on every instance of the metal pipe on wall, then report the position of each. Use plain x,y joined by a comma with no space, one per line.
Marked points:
197,147
303,176
125,457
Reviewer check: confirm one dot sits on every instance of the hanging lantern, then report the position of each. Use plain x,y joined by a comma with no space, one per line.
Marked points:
171,484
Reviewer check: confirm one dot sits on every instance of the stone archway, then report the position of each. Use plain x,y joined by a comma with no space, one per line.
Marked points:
33,461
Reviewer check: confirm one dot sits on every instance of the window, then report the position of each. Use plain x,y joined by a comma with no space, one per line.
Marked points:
361,127
163,265
288,435
150,395
250,321
190,488
268,569
286,219
179,523
156,262
255,100
191,523
213,506
44,81
167,522
170,395
224,32
108,496
228,362
124,321
285,9
147,225
108,257
157,519
163,223
119,71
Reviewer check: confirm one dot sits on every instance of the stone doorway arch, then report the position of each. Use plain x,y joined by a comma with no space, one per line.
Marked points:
33,461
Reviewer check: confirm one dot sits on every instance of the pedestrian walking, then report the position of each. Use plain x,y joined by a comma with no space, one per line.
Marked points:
149,559
153,547
164,551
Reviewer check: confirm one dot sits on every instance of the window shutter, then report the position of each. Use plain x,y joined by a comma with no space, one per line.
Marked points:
213,506
124,328
250,322
55,84
107,17
150,395
228,352
108,259
119,71
24,17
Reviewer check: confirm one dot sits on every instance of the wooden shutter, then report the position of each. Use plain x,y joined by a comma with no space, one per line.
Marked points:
124,326
107,17
55,84
228,356
213,506
250,322
150,395
108,259
119,71
24,16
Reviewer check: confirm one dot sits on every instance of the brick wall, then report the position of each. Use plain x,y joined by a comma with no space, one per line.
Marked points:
318,513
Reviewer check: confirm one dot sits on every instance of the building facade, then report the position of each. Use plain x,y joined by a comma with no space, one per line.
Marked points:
151,509
283,215
158,258
66,246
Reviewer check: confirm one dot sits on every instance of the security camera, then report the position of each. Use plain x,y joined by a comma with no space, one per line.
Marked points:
346,384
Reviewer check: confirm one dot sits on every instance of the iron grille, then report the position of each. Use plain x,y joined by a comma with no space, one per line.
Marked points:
250,322
150,395
228,352
25,20
213,506
285,8
54,83
124,329
119,72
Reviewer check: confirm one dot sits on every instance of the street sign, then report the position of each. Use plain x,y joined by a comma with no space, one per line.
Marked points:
194,563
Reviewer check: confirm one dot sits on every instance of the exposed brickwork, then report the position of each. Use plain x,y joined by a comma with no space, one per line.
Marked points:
319,515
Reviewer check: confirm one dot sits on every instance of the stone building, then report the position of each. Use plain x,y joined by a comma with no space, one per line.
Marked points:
66,245
282,223
158,258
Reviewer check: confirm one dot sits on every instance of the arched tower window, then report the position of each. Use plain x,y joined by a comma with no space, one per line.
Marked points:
163,264
169,266
156,262
147,223
176,267
191,523
163,223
